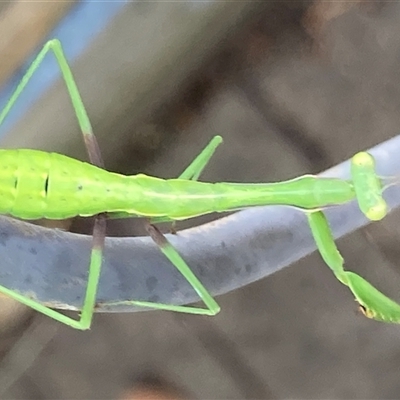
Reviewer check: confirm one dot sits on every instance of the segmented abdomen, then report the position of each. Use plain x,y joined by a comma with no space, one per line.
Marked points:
36,184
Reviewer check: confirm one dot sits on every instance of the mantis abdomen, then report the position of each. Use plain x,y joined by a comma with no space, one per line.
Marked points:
35,184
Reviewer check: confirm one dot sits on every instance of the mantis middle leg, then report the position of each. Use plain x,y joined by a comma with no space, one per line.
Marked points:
192,172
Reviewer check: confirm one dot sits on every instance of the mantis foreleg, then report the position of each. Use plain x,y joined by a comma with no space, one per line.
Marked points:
373,303
368,188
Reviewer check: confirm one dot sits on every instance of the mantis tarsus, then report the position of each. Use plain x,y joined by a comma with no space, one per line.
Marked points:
37,184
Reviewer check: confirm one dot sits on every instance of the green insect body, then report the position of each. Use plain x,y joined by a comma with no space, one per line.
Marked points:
35,184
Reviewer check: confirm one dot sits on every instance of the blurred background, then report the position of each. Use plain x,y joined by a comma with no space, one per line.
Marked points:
293,88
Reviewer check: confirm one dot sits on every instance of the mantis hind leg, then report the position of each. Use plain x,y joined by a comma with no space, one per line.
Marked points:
95,158
93,150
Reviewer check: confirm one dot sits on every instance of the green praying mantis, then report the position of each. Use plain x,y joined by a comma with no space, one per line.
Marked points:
36,184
